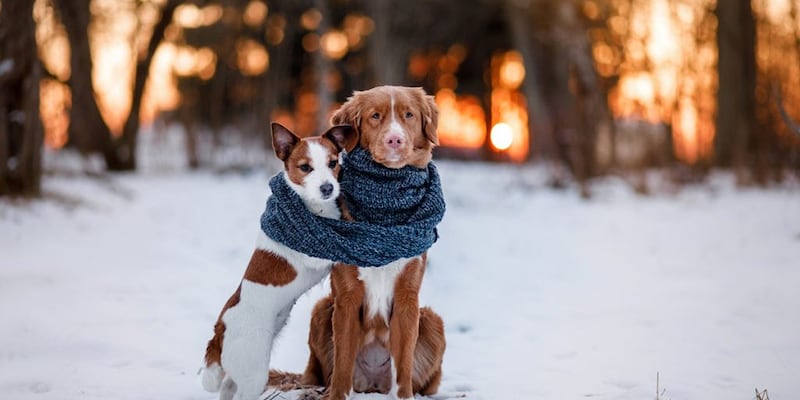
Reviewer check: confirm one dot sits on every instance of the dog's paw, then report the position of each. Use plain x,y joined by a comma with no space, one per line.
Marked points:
313,394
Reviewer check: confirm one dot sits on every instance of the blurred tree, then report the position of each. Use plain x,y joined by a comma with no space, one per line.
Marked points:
736,103
87,130
567,102
20,123
122,153
389,53
281,43
520,15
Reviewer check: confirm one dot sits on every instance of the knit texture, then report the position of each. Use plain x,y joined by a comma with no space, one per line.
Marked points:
396,212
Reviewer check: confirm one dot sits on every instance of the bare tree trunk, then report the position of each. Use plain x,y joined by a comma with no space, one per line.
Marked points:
519,15
277,83
389,57
736,105
579,104
122,154
20,123
87,131
592,101
322,65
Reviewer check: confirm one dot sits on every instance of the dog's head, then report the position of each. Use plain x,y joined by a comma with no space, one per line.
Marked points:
312,163
397,125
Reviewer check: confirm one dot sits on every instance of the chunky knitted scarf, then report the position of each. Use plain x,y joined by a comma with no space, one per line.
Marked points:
396,212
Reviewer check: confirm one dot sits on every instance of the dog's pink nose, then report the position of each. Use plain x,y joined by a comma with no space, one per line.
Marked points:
393,141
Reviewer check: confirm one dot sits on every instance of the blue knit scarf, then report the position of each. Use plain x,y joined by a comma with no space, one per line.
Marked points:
396,212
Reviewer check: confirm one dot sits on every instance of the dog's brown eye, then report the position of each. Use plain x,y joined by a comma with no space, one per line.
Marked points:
376,116
332,164
409,115
305,168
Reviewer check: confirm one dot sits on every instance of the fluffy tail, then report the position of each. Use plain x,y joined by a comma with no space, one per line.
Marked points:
212,373
212,378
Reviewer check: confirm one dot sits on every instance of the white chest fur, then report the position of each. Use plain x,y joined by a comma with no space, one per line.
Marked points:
379,286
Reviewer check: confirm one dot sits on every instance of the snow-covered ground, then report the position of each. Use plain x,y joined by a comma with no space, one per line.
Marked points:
109,288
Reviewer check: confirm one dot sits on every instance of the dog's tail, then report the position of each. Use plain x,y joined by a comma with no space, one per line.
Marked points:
212,373
212,377
286,381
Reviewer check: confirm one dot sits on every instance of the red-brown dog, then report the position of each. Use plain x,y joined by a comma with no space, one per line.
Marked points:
370,334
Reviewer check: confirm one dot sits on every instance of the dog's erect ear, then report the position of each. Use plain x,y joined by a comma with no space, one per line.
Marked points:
430,119
344,137
349,113
283,141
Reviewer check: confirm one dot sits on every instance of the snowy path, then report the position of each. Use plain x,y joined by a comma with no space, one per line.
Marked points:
111,292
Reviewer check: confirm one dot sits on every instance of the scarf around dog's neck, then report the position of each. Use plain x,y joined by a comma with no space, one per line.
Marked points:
396,213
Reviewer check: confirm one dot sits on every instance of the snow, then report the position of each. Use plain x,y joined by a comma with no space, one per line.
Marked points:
109,288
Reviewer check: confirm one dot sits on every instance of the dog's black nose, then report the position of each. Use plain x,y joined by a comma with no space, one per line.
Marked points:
326,189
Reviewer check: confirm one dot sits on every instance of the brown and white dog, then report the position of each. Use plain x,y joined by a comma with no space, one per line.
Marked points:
370,334
276,276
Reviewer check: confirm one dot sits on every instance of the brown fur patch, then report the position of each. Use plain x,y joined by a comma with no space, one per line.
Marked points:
269,269
419,124
214,347
299,156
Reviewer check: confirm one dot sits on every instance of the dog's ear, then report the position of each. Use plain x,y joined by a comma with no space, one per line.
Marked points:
344,137
283,141
349,113
430,118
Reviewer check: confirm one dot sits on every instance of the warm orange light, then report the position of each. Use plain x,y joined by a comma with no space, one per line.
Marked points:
636,96
188,15
251,58
661,46
462,122
666,74
113,83
310,19
509,133
502,136
512,71
191,16
275,27
184,61
55,99
508,108
357,27
161,92
206,63
310,42
254,13
334,44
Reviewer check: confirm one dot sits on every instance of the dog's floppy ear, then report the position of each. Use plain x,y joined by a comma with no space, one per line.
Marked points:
344,137
349,113
283,141
430,118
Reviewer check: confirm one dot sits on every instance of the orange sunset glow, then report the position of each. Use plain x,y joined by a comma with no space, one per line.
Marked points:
665,75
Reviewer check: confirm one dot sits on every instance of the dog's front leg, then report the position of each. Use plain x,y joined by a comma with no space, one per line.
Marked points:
246,350
347,337
404,328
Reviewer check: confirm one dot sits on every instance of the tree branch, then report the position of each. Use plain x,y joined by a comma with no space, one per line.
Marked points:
793,126
143,68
